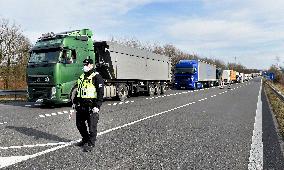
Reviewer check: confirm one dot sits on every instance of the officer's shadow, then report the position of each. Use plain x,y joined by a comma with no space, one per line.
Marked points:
37,134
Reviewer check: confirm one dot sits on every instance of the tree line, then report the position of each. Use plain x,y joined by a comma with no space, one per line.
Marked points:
176,54
15,47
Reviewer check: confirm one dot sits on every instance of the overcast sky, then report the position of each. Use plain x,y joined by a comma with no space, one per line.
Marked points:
250,30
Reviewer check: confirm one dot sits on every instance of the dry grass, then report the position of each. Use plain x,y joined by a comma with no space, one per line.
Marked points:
277,105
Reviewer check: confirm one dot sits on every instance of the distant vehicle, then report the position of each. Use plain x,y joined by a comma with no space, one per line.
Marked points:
237,77
241,77
247,77
56,62
233,76
229,76
193,74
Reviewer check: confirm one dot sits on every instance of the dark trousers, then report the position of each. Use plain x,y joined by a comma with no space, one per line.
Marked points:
85,115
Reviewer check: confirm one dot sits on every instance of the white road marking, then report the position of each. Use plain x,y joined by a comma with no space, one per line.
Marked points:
2,123
109,104
60,113
54,114
47,115
28,105
120,102
41,116
37,104
127,102
7,161
147,98
114,104
65,112
132,101
256,151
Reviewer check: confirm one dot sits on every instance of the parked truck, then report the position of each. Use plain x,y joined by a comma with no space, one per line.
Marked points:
226,76
56,62
193,74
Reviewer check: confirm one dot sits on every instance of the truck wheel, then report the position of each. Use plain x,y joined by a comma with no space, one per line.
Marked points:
158,89
163,89
122,92
151,90
72,95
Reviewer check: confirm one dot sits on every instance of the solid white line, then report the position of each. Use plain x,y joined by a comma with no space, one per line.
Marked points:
256,151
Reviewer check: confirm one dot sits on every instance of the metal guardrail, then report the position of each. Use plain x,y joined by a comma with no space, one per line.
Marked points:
13,93
277,92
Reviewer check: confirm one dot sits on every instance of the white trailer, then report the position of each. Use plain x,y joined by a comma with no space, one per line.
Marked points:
128,71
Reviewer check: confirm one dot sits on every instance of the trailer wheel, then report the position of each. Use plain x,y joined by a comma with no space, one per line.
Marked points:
122,92
163,89
158,89
151,90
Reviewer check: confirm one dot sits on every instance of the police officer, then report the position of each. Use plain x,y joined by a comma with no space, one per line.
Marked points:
87,103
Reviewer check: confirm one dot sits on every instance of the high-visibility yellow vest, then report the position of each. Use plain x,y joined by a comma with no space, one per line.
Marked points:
86,88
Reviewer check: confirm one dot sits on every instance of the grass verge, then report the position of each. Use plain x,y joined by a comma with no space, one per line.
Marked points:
277,105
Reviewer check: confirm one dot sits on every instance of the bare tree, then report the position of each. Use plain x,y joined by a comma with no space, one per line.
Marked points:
14,47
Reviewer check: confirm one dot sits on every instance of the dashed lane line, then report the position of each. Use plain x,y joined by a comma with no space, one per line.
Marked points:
2,123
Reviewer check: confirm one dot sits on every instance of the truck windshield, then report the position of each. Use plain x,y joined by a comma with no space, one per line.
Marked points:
185,70
44,56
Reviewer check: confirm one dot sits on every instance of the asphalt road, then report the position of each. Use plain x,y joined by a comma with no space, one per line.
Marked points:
203,129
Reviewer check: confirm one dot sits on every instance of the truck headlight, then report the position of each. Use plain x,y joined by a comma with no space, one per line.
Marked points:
53,92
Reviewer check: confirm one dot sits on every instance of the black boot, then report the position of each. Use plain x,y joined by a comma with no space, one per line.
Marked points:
87,147
80,144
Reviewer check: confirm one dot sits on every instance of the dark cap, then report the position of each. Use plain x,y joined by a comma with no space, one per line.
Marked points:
88,61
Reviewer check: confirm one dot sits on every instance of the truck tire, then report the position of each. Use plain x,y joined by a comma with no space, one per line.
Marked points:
151,90
158,89
122,92
163,89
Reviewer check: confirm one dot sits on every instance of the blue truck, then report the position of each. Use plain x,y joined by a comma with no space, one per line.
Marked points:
195,74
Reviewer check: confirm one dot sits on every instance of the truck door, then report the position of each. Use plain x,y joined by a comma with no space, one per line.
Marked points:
68,70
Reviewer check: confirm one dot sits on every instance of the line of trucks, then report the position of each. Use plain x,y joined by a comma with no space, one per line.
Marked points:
56,61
